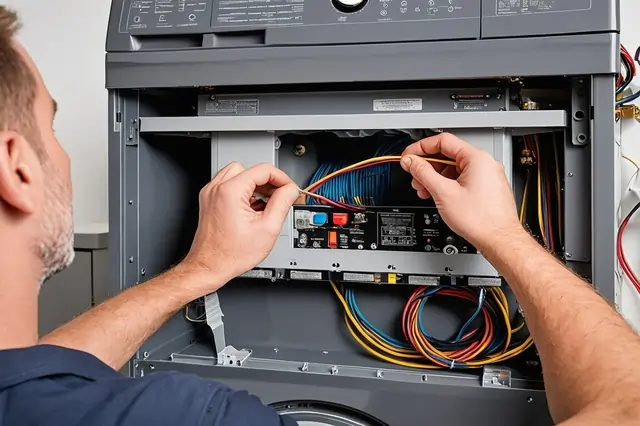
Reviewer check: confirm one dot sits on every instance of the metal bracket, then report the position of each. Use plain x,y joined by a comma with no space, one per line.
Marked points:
232,357
134,126
227,355
496,377
580,111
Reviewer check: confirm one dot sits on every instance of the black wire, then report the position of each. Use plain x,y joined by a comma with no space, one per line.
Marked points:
631,213
628,75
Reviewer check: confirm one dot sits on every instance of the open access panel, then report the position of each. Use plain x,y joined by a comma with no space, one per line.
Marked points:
371,311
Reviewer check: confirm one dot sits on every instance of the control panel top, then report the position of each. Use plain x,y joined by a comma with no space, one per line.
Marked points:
238,23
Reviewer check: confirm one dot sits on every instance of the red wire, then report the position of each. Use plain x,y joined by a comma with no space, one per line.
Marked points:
622,259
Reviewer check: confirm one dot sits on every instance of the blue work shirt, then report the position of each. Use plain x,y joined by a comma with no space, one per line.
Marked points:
54,386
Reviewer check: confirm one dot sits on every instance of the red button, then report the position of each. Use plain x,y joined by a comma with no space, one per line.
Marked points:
333,239
340,219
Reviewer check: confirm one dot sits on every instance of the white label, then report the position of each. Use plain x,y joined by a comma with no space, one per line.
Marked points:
484,282
422,280
258,273
397,104
304,275
364,278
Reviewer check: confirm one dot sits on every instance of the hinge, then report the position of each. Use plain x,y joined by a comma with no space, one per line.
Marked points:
132,139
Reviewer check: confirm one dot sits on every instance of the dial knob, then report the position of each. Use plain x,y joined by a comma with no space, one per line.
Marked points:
450,250
349,6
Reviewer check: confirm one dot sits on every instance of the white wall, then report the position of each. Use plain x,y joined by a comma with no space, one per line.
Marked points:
66,38
628,300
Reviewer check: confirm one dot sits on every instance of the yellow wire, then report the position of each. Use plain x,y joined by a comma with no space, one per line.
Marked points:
386,352
558,188
349,320
632,161
540,215
370,161
523,204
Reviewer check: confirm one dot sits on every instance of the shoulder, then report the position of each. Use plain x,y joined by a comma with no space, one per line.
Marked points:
59,386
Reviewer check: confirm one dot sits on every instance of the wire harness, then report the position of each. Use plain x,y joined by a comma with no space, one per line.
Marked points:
487,337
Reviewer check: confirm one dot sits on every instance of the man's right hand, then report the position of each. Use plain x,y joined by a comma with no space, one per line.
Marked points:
474,198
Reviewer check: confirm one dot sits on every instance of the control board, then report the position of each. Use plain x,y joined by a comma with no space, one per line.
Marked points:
413,229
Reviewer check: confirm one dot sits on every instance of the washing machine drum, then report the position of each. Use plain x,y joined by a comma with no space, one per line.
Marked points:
312,413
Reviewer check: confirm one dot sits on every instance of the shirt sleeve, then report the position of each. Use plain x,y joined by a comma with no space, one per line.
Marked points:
181,399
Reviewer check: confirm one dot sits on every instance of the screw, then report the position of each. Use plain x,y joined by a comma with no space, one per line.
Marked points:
529,400
569,255
360,246
131,259
374,246
424,377
305,366
379,374
276,350
334,369
299,150
502,109
277,144
130,202
145,355
580,81
152,367
570,174
212,97
143,271
325,352
273,279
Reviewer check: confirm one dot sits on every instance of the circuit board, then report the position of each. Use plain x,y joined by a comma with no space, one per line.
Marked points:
412,229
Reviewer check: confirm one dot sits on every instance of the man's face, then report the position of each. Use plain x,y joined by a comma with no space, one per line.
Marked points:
55,245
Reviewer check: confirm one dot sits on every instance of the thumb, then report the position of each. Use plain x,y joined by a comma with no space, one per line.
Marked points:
277,209
424,173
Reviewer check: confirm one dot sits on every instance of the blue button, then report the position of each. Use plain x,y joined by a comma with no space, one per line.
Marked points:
319,219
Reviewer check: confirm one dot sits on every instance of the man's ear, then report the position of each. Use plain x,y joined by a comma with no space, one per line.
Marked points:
16,172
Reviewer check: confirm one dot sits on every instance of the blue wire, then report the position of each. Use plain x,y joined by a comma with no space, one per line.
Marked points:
353,306
628,99
473,317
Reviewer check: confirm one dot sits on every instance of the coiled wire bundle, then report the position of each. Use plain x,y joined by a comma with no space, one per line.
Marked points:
487,337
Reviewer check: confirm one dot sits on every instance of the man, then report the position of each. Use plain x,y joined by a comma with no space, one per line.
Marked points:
590,356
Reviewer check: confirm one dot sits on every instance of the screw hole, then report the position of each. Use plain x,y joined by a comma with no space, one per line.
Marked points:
230,362
238,363
447,269
579,115
582,138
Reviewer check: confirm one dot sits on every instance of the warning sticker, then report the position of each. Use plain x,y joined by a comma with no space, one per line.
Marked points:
484,282
363,278
423,280
381,105
522,7
396,229
304,275
232,107
258,273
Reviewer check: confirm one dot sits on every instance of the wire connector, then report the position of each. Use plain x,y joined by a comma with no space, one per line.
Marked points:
628,111
526,158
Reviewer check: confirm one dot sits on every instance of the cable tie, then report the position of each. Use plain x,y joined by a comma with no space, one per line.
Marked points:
453,364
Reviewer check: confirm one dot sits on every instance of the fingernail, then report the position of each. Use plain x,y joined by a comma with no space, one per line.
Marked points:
405,162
